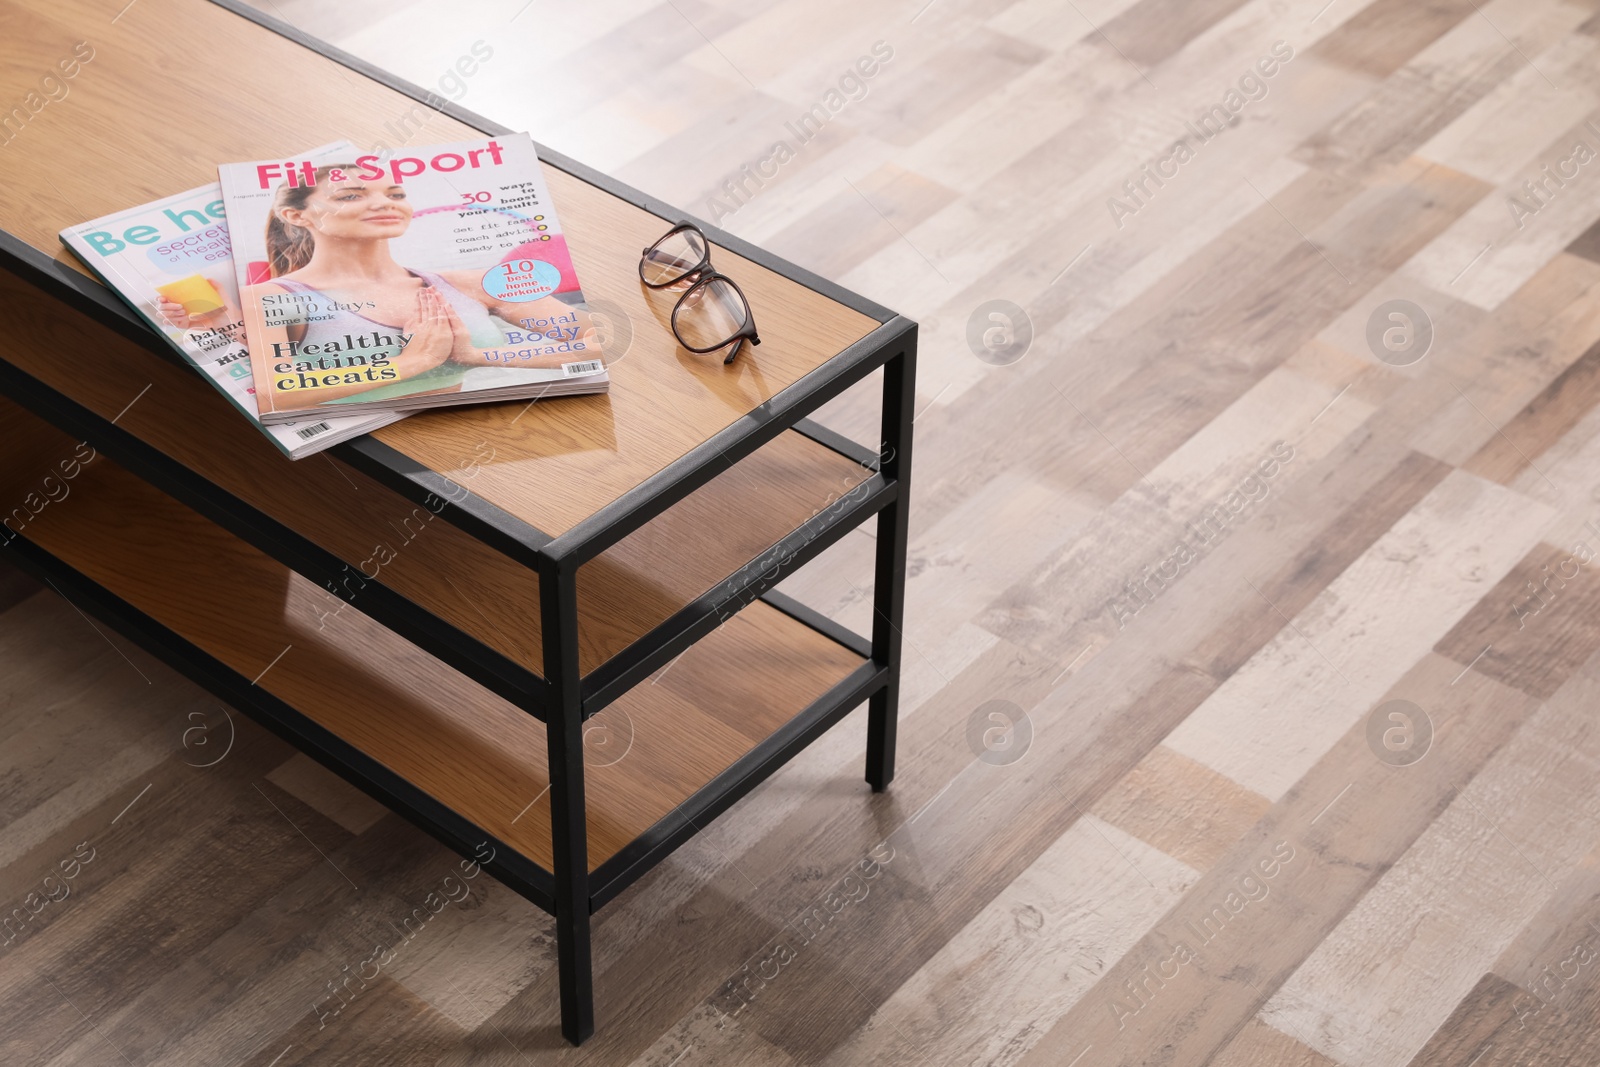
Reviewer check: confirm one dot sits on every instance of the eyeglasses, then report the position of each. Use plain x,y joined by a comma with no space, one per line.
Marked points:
713,312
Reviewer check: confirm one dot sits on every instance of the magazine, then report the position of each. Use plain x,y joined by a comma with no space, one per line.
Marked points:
170,261
396,282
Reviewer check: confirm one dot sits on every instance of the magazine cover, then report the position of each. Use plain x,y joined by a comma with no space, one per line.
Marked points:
170,261
386,282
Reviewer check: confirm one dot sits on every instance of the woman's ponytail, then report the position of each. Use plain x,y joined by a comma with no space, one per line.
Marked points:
288,247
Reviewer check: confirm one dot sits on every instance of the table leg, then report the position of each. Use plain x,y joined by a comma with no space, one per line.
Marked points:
889,582
569,834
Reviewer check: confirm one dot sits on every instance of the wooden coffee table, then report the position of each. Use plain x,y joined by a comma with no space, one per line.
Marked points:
456,612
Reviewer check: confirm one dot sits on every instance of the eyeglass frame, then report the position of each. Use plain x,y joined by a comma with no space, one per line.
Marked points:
703,274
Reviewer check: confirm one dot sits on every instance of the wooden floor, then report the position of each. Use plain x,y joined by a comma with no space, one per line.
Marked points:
1225,563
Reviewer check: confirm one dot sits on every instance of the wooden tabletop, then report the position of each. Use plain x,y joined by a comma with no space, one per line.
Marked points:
171,89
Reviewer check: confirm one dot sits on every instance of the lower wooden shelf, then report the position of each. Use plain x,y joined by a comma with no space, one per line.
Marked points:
462,745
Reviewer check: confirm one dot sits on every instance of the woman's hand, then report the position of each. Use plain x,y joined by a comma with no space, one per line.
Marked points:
230,322
432,338
462,350
176,314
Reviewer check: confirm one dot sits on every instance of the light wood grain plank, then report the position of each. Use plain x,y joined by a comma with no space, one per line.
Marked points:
1340,845
1151,30
1085,901
1182,808
1546,418
1413,946
1259,1045
1278,715
1522,116
1534,629
1553,956
1384,35
1521,236
1438,84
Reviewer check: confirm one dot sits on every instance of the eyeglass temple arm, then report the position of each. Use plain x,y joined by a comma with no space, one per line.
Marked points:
738,343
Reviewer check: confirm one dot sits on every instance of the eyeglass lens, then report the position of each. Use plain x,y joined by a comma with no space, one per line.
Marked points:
673,257
709,315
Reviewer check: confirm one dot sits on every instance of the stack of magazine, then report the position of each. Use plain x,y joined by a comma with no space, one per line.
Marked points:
334,293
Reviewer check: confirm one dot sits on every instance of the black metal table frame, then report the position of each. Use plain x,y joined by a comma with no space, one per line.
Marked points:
562,696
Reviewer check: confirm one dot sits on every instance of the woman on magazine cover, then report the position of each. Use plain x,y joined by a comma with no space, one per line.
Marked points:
330,242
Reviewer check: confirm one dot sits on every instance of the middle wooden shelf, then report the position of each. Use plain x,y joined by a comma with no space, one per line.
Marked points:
373,535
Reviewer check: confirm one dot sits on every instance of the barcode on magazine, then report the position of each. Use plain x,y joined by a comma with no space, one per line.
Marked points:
312,431
588,366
